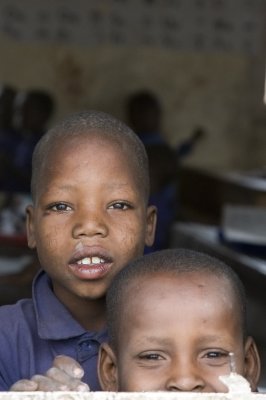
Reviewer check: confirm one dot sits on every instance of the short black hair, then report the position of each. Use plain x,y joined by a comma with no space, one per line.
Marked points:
173,261
90,123
143,99
41,99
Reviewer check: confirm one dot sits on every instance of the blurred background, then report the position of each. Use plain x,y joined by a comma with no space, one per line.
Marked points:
188,76
204,59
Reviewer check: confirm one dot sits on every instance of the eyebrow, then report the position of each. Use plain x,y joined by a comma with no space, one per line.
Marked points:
66,187
158,340
211,339
208,339
69,186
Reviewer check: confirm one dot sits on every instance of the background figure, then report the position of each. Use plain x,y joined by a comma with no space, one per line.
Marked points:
163,178
144,115
7,96
186,147
8,136
33,111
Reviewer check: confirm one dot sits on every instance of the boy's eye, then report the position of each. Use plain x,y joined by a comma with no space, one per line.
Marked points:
217,357
217,354
150,356
60,207
120,205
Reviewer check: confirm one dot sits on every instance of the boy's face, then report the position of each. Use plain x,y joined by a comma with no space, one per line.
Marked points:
89,219
175,334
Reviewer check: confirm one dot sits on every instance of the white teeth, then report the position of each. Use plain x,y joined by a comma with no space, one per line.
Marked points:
85,260
95,260
90,260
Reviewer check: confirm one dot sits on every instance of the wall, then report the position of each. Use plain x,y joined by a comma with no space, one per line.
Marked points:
219,90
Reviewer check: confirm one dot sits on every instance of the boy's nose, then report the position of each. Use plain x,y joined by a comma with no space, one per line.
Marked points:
89,223
184,379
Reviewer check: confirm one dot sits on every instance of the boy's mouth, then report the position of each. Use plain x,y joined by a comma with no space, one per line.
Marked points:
90,263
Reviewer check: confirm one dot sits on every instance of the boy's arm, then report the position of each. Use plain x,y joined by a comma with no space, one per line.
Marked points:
64,375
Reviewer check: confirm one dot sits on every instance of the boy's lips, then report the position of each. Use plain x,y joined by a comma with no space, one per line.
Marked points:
90,263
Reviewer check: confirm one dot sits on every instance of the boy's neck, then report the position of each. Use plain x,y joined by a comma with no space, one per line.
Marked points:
89,313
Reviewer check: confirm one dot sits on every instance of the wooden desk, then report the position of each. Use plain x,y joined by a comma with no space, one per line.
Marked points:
203,193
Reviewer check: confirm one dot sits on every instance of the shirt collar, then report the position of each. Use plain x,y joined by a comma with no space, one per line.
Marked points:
54,321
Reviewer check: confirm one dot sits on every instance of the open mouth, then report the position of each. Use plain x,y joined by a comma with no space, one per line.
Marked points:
90,266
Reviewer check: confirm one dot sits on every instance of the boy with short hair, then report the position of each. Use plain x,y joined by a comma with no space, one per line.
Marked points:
89,218
173,319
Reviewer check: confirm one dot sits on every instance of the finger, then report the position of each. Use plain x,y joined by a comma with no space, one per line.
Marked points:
24,385
46,384
72,384
70,366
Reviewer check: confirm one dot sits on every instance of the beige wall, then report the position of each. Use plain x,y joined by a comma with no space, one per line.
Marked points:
218,91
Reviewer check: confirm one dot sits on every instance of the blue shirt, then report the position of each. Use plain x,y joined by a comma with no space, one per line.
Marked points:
33,331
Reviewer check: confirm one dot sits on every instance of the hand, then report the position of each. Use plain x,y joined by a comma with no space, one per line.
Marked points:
64,375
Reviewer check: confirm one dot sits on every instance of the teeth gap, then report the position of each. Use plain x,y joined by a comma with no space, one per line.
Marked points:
90,260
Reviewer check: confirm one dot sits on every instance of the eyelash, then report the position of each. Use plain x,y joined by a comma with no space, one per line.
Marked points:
56,207
122,205
217,354
151,356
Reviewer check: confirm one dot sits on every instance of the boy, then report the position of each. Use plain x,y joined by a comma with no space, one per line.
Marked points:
88,219
173,317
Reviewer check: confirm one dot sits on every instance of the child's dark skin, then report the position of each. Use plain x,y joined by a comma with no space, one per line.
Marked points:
89,219
175,334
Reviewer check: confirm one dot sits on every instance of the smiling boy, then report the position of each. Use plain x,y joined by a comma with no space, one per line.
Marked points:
173,319
88,219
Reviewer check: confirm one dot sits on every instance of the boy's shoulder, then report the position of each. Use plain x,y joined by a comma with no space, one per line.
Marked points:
18,314
18,334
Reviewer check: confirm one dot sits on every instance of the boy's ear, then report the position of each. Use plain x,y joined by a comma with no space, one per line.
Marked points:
107,368
150,225
252,363
30,227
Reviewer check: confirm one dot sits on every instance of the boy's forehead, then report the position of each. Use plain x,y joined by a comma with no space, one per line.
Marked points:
158,302
171,290
82,143
193,282
88,136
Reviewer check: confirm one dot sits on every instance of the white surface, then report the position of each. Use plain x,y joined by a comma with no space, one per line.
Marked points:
129,396
245,224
